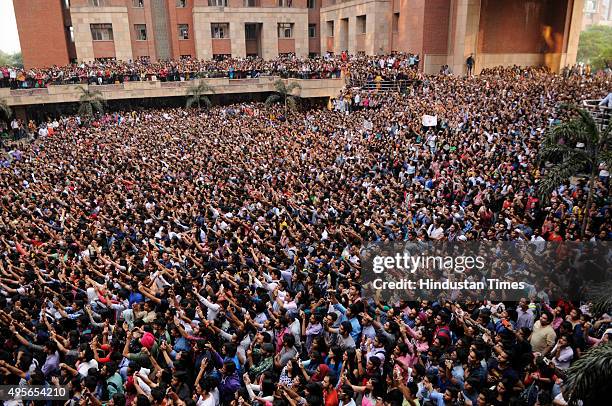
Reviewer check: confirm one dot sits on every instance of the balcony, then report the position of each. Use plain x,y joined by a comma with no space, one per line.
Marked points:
601,114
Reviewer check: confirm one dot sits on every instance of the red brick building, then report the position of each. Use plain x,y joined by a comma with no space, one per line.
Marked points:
443,32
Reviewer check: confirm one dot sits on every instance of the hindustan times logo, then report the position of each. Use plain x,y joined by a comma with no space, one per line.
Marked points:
407,262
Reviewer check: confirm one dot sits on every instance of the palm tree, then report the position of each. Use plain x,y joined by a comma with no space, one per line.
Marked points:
588,379
575,147
5,111
284,93
90,101
197,95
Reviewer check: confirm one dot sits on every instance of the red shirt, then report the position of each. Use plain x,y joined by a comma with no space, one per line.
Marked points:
331,397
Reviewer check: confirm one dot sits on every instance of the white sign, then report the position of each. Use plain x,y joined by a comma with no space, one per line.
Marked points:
429,121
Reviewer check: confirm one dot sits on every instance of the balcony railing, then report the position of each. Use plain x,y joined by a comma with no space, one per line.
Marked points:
601,114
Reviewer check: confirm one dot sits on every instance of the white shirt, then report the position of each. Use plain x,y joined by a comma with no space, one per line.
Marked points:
84,367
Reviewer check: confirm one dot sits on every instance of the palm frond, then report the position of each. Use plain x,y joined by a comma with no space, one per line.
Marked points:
5,110
85,110
588,379
280,87
95,94
292,102
205,88
601,300
82,89
273,98
557,174
98,105
293,86
205,101
572,133
557,152
606,157
190,102
589,125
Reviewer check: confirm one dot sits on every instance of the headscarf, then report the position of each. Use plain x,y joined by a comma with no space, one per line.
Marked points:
322,373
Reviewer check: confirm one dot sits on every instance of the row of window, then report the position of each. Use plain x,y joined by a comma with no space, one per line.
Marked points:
104,32
135,3
361,25
256,3
211,3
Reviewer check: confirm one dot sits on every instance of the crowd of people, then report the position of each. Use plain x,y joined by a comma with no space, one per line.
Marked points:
186,257
110,71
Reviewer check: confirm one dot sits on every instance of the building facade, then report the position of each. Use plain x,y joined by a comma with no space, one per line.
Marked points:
597,12
442,32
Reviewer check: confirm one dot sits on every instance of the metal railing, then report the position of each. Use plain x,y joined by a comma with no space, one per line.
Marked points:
601,114
383,85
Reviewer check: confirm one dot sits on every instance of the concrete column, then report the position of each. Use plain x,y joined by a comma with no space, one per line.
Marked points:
121,35
571,35
341,37
201,33
238,39
300,34
464,37
378,27
269,39
337,35
352,33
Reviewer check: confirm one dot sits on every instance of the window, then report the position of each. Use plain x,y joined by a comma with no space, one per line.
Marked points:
312,3
285,3
181,3
361,24
590,6
219,30
250,31
395,22
312,30
285,30
67,4
251,3
217,3
101,32
183,31
97,3
141,32
330,28
138,3
70,33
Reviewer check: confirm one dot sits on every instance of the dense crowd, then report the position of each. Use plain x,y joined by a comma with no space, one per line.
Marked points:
177,257
112,71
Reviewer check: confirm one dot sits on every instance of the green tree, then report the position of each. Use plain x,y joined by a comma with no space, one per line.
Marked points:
90,102
595,46
196,95
574,147
5,111
284,94
588,379
11,59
